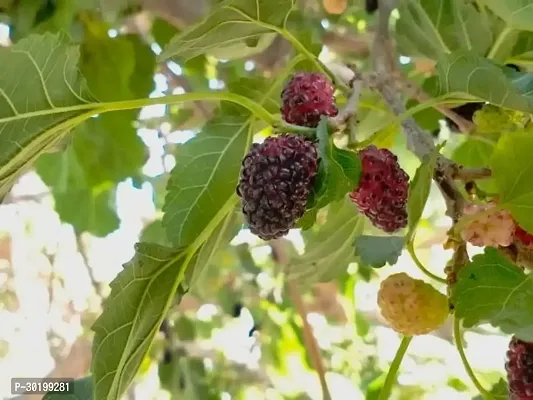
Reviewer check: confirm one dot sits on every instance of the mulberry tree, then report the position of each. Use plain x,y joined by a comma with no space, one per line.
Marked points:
332,121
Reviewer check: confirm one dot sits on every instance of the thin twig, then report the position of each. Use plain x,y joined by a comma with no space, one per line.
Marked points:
470,174
81,248
279,254
175,81
417,93
350,108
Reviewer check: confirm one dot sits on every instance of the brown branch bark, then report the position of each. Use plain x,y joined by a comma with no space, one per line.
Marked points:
415,92
83,252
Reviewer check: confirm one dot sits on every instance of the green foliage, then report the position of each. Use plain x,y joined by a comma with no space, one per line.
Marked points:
498,391
476,153
329,249
512,178
419,190
38,104
235,29
467,73
205,178
71,92
492,289
376,251
73,190
516,13
492,119
338,174
140,297
432,28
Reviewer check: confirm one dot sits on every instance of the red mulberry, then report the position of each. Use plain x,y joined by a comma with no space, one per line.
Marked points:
276,177
307,97
519,368
523,236
382,190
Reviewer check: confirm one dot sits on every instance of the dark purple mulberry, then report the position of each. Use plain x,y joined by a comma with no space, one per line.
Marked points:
307,97
276,177
382,190
519,368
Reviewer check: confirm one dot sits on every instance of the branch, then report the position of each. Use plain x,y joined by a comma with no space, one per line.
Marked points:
83,252
175,81
280,256
417,93
350,108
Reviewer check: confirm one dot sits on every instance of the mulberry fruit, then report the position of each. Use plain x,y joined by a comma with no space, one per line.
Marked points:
519,368
276,177
411,306
523,236
492,227
306,98
382,190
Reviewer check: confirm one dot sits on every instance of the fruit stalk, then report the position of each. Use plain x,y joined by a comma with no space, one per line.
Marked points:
394,367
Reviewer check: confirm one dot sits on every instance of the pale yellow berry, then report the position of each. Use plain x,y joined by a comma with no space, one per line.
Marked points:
411,306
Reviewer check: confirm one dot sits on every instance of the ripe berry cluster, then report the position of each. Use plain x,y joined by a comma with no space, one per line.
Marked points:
278,174
519,368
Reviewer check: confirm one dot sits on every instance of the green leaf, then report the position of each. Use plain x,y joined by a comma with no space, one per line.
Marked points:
338,174
169,372
40,93
376,251
205,177
108,149
72,191
163,31
339,169
474,153
218,241
466,73
431,28
23,18
330,249
428,119
140,297
499,391
516,13
82,390
512,166
308,32
419,189
522,52
154,232
492,289
230,27
255,88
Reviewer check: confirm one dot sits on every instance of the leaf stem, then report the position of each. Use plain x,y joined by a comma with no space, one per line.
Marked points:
499,42
303,50
468,368
258,110
311,57
394,367
412,253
